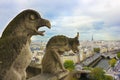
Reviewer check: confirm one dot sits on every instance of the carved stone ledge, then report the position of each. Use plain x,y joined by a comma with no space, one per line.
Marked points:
59,76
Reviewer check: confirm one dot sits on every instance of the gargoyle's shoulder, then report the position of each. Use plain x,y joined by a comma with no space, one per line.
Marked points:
59,40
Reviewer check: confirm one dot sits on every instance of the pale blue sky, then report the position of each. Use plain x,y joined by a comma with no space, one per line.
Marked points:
98,17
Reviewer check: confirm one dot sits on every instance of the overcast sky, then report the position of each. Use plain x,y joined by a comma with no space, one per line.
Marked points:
100,18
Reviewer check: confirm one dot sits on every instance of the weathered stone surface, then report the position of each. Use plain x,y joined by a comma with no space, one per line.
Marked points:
46,76
15,54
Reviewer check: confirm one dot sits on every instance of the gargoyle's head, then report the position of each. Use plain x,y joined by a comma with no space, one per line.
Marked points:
74,43
26,23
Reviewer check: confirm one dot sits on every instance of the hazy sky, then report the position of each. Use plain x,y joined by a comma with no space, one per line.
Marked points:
100,18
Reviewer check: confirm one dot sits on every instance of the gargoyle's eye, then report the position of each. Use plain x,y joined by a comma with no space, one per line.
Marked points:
33,17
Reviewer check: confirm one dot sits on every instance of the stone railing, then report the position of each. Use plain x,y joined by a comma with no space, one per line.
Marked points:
59,76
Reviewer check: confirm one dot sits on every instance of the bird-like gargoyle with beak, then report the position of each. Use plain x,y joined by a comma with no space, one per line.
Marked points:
15,54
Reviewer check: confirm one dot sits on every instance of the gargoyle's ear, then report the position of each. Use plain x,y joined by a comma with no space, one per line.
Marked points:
77,35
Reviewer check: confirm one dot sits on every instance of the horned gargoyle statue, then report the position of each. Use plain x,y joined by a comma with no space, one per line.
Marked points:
57,45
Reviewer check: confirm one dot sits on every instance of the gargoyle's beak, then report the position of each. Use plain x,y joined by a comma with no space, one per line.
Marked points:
46,23
43,22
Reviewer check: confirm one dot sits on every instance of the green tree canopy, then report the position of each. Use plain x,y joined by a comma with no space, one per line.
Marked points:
97,74
107,77
118,55
97,50
69,64
112,62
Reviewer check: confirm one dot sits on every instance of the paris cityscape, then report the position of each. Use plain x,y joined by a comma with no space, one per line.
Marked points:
24,39
87,57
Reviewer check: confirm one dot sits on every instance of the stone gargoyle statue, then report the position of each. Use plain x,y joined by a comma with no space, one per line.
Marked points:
15,54
57,45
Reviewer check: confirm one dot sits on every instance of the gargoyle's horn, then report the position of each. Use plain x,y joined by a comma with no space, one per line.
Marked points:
77,35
